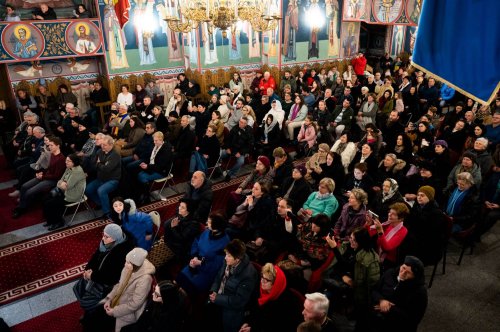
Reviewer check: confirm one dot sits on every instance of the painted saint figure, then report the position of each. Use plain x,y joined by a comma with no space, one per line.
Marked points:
209,46
313,49
233,36
84,44
144,24
253,41
397,40
333,13
349,44
24,46
290,31
173,41
115,38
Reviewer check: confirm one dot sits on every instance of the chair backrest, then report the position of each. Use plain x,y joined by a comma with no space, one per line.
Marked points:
155,217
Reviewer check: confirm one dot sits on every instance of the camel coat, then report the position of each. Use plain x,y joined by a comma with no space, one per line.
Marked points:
133,299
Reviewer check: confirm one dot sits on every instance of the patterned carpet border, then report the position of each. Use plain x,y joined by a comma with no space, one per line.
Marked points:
41,284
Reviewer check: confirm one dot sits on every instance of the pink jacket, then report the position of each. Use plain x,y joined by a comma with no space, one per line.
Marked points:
307,134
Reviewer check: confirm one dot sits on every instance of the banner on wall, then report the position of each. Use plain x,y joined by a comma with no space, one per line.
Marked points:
461,48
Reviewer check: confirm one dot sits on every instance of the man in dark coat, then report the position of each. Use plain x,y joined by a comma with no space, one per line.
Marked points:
400,299
238,144
201,194
234,287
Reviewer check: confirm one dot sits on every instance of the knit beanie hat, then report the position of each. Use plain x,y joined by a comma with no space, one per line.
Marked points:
442,143
264,160
136,256
427,191
115,232
472,156
417,267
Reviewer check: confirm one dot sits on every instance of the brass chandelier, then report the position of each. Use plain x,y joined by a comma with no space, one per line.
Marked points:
222,14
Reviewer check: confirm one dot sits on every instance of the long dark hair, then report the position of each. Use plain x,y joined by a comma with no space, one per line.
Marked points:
363,239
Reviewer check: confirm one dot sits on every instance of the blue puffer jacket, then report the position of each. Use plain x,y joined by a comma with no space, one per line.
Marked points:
446,92
138,225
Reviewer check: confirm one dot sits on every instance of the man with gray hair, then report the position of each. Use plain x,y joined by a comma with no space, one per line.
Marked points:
316,309
108,165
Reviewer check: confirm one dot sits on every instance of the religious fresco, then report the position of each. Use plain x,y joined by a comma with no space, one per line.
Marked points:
410,36
397,41
72,68
356,10
26,40
387,11
350,39
413,10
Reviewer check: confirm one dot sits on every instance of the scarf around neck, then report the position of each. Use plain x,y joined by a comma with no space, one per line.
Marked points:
277,289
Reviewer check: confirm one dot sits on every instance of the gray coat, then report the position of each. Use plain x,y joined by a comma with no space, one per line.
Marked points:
75,179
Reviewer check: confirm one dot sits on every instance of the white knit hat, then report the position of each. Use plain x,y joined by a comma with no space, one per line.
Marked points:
137,256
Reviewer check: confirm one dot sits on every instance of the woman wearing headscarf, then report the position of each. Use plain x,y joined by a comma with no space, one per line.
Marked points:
270,135
276,310
332,168
104,267
127,300
386,197
207,256
138,225
277,112
467,164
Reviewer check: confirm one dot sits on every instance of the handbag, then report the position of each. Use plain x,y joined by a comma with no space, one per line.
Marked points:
160,253
239,219
89,293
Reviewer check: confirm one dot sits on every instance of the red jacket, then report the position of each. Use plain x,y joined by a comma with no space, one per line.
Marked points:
359,65
270,83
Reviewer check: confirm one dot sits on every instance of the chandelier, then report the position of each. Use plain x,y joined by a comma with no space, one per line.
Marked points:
222,14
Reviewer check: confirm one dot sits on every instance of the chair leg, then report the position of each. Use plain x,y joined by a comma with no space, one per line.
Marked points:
87,206
74,214
462,254
433,274
444,260
173,186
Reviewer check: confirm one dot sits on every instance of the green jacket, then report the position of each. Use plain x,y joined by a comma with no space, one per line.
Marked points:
75,178
366,276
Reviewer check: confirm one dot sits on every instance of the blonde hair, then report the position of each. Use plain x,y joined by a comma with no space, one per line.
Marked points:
329,183
159,135
269,272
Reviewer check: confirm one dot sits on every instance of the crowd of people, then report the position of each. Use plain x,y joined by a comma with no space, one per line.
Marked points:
42,12
393,169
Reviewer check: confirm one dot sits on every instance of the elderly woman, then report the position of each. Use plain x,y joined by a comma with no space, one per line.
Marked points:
138,225
69,189
206,256
467,164
390,234
391,167
367,112
224,108
276,310
427,227
232,289
181,230
357,270
462,203
353,215
322,201
346,149
127,300
317,159
103,269
388,195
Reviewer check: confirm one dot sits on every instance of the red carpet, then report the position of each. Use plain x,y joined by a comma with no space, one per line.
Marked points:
62,319
49,260
7,223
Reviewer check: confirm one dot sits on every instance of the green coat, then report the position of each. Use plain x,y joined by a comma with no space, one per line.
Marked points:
366,276
327,205
75,178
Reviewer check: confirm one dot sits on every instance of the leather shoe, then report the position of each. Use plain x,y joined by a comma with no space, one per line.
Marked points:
17,213
55,226
45,224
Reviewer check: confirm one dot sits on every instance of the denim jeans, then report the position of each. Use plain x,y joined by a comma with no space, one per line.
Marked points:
98,192
145,177
239,162
32,188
